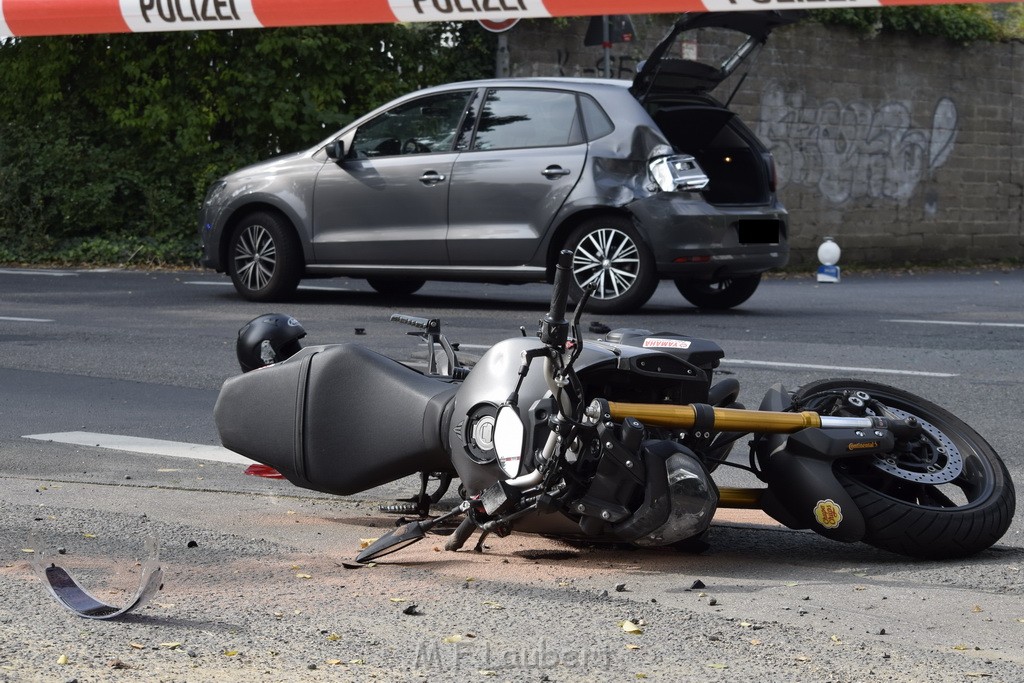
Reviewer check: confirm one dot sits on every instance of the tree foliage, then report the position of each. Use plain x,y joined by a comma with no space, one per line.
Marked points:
962,24
108,142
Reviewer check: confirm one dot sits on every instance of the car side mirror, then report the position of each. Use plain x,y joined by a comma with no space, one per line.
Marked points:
335,150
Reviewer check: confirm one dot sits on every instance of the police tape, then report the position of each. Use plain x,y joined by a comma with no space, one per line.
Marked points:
67,17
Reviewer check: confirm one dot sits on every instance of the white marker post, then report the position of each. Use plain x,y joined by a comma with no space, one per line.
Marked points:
828,254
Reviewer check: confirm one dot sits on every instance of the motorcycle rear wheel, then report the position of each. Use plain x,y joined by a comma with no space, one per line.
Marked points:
948,496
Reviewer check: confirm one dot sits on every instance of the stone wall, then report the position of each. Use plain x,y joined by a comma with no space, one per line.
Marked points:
903,149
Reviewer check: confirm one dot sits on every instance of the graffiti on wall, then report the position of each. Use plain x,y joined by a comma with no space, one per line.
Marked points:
619,66
853,150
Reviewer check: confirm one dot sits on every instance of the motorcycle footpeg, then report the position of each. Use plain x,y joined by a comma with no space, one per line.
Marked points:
431,325
403,508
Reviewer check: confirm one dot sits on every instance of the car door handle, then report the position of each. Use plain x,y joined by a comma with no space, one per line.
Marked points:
431,177
554,171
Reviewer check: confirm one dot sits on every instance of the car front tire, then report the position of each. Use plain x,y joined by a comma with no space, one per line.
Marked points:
264,257
607,252
719,295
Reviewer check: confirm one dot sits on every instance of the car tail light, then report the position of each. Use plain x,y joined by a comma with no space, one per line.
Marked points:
677,173
773,176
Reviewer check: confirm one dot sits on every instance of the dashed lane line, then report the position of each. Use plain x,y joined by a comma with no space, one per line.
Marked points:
954,322
835,368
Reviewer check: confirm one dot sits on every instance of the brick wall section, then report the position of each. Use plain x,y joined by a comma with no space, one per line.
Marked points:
903,149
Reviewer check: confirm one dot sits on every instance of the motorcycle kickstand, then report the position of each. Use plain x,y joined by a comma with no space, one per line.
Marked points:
479,547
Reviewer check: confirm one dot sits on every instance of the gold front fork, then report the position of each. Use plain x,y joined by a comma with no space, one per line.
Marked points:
725,419
729,497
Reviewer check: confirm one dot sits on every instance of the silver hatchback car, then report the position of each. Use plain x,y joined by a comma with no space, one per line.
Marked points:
488,180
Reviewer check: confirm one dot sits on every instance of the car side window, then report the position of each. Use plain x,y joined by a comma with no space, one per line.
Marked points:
595,120
425,125
512,118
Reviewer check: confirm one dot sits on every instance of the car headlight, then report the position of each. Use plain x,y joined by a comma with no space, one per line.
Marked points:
677,173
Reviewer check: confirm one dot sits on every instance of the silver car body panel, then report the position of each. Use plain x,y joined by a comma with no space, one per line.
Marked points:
493,215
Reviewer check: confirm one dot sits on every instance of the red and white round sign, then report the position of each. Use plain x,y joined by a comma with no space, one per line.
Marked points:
498,26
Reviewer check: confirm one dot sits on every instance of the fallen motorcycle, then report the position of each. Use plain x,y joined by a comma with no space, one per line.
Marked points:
614,440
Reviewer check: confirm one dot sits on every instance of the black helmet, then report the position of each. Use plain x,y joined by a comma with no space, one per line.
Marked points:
270,338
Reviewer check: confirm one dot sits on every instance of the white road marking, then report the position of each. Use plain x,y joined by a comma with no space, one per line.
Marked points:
808,366
227,283
25,320
136,444
838,368
46,273
953,322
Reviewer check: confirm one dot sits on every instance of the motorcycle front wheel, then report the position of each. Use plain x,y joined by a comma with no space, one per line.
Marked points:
944,495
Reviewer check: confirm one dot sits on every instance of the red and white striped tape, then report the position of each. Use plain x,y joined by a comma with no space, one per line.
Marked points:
65,17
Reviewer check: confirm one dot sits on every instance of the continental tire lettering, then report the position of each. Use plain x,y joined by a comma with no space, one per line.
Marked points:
173,11
862,445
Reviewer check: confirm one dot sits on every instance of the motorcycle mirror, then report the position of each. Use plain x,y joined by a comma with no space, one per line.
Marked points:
508,439
395,540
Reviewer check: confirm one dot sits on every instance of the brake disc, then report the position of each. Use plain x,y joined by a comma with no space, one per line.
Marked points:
949,467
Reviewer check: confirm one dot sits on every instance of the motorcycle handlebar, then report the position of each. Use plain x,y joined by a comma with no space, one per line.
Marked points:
560,293
554,328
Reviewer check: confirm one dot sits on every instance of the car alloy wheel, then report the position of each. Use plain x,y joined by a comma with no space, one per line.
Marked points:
255,257
608,255
265,261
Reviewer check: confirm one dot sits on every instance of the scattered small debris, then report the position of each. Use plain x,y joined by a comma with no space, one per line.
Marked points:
192,544
412,611
360,331
697,585
630,626
620,588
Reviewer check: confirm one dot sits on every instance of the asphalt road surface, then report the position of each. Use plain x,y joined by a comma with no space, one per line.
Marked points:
107,386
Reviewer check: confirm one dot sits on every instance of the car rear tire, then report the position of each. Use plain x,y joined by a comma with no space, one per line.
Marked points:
607,251
395,286
264,257
719,295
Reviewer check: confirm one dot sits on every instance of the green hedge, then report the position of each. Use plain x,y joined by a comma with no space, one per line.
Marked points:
107,143
962,24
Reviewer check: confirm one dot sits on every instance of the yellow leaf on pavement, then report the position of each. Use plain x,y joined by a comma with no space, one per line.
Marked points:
630,627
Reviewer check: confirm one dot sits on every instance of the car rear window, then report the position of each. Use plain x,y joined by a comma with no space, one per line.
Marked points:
512,118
